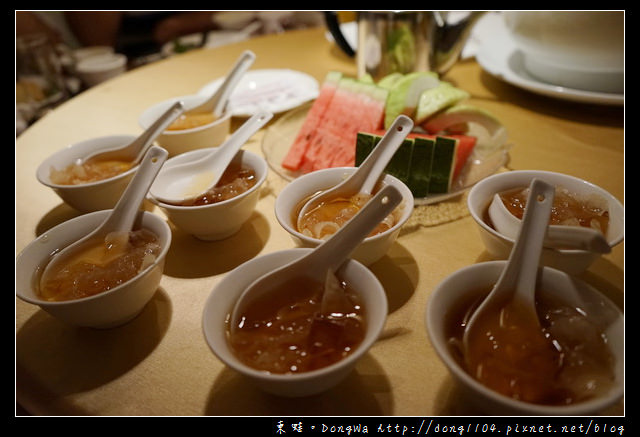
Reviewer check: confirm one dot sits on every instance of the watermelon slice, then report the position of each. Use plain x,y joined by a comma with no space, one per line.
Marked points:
442,165
364,146
427,163
329,131
466,146
420,166
294,158
398,165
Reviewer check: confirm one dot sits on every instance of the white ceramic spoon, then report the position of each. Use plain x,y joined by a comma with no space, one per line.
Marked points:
517,283
123,215
328,256
191,179
559,237
218,101
366,177
134,151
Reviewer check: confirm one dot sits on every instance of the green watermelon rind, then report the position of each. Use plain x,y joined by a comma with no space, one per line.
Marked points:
443,165
420,166
425,165
399,163
364,146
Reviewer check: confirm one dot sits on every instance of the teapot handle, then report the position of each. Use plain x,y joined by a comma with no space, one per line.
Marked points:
331,18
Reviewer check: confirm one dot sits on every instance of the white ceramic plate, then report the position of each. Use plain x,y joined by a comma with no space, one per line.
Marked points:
499,56
275,90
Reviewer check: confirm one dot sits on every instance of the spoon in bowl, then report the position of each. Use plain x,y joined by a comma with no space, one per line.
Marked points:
327,257
120,219
511,302
366,177
218,101
557,236
189,180
134,151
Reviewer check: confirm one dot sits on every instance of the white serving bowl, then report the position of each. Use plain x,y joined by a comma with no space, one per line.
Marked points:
220,220
185,140
95,69
372,248
224,296
92,196
112,308
472,281
499,246
575,49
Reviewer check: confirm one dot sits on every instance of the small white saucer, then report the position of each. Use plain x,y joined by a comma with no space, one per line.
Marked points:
499,56
276,90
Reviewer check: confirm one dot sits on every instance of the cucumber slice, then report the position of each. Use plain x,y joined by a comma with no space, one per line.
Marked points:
437,99
405,93
388,81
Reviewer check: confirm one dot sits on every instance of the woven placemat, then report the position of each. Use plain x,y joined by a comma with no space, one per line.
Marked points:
439,213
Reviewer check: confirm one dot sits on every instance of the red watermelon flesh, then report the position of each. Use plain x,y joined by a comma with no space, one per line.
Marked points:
466,143
295,156
331,127
465,148
330,134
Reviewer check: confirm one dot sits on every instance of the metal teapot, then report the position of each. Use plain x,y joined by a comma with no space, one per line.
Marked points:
404,41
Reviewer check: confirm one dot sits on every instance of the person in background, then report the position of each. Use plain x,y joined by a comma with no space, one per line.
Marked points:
51,24
136,33
141,33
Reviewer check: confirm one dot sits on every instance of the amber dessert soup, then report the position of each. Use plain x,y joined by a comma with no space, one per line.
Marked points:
568,209
302,326
325,220
100,265
235,180
563,361
91,171
191,120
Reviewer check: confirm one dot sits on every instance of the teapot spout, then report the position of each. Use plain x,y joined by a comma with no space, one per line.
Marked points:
450,38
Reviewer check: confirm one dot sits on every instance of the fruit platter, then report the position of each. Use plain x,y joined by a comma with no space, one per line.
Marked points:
453,144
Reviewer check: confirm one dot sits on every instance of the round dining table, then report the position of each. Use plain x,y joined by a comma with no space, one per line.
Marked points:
159,363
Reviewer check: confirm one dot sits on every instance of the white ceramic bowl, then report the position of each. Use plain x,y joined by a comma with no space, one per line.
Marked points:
576,49
470,282
185,140
289,199
95,69
92,196
499,246
105,310
224,296
220,220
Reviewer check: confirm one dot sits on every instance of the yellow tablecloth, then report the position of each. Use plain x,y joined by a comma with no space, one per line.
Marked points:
159,364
